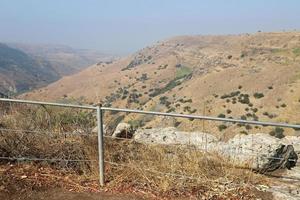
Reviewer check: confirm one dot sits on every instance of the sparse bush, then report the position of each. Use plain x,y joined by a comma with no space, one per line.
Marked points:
258,95
278,133
243,117
171,110
254,110
232,94
248,127
221,115
222,127
244,99
249,115
283,105
244,132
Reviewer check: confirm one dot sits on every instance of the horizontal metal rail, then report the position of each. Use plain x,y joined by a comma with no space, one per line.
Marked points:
295,126
48,103
203,117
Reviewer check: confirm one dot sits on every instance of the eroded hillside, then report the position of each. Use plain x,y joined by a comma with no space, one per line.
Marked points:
20,72
254,77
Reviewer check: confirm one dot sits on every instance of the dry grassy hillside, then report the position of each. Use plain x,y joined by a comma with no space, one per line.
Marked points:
254,77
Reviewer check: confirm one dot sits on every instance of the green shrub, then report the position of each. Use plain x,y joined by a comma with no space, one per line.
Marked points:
248,127
244,132
243,117
278,133
244,99
230,95
222,127
221,115
171,110
258,95
283,105
254,110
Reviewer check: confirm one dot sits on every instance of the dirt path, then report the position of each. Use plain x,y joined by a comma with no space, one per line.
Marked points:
66,195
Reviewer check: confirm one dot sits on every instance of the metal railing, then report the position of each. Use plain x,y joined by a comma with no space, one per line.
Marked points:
100,132
204,118
99,124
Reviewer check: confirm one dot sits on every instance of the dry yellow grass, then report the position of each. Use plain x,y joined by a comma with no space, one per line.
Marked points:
162,171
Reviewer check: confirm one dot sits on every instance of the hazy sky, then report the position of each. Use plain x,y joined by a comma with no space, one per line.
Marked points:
124,26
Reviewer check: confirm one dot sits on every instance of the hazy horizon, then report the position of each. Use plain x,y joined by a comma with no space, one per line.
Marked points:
122,27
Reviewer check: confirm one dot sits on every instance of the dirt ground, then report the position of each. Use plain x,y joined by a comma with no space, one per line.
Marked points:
60,194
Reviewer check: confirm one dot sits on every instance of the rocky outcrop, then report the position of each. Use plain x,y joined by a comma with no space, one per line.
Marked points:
123,130
171,135
257,151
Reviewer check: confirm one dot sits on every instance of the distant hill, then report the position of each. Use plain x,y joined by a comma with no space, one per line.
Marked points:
64,59
20,72
248,76
24,67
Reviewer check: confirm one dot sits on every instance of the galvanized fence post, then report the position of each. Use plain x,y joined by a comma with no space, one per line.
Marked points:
100,144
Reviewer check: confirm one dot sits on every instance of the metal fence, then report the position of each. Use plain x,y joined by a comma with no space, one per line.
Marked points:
99,110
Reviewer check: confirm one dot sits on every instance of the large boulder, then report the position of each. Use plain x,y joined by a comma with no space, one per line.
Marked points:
260,151
123,130
171,135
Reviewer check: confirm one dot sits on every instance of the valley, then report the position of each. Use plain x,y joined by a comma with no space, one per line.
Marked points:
25,67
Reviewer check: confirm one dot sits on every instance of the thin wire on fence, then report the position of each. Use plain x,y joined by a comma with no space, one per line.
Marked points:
50,133
44,159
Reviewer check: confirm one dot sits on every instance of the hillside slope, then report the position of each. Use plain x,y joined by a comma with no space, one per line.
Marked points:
254,77
20,72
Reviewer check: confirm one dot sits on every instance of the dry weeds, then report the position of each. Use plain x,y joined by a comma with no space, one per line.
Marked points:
162,171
